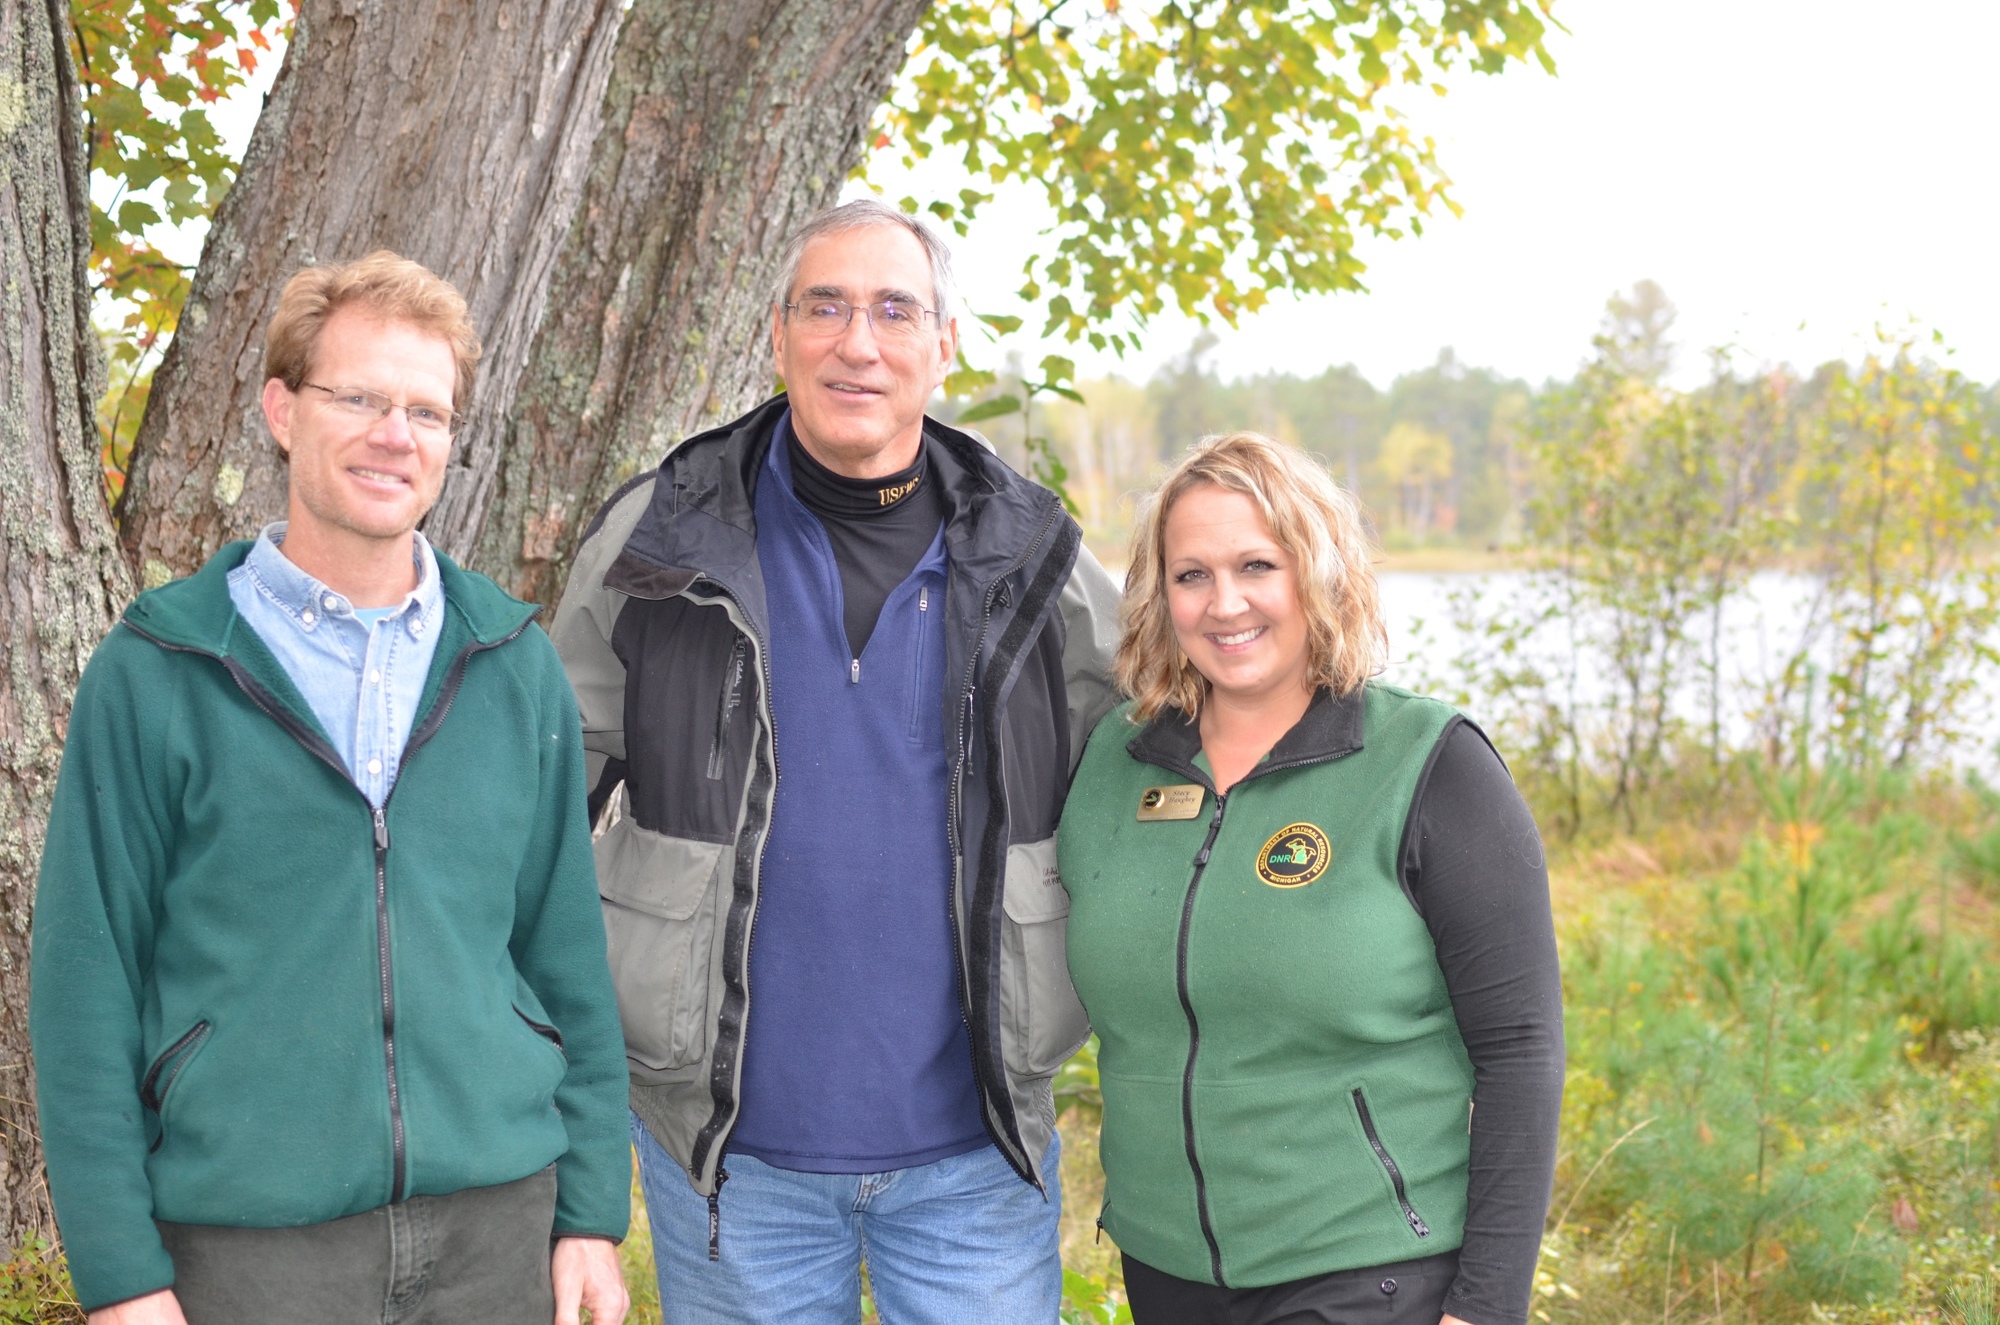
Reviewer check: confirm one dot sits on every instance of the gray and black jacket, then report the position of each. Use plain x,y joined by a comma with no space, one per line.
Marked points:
663,629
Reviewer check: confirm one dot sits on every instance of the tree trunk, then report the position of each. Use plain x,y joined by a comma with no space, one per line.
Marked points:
725,127
61,573
456,133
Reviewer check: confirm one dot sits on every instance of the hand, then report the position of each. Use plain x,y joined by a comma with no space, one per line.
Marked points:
161,1308
586,1273
1450,1319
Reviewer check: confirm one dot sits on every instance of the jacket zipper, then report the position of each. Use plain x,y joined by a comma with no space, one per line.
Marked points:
953,816
400,1150
379,819
705,1144
151,1092
546,1031
1410,1215
1194,1038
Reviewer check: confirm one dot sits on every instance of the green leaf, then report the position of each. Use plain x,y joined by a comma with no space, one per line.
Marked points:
1003,323
991,409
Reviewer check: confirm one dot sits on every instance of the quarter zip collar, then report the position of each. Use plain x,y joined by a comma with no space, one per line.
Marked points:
1329,728
990,523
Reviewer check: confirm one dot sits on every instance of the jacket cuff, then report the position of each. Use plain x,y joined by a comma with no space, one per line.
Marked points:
106,1280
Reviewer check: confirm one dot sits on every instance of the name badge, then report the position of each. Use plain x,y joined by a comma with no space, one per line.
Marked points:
1182,802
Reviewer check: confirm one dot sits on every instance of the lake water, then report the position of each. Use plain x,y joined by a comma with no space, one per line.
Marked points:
1761,629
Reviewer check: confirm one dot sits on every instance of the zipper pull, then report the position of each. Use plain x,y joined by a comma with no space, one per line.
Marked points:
715,1216
381,830
1097,1238
854,672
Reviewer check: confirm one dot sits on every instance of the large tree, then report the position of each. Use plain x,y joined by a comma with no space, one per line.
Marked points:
455,133
1194,153
61,574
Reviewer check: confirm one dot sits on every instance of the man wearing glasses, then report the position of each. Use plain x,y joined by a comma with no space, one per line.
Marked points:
321,1017
836,663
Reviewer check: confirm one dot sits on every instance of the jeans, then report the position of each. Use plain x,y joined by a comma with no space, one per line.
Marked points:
962,1241
481,1254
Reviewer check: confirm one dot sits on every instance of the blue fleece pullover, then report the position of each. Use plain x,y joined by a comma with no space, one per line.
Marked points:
856,1057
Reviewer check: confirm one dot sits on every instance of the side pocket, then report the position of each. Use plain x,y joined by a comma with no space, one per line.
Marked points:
166,1069
1410,1215
546,1031
660,898
1041,1020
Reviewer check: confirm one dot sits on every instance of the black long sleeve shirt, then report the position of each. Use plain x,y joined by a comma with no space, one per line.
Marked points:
1473,867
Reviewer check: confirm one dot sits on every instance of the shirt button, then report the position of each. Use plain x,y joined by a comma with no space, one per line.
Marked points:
331,603
374,676
374,766
416,625
306,616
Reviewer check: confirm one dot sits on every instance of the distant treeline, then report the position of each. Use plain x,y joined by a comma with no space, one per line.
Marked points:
1450,455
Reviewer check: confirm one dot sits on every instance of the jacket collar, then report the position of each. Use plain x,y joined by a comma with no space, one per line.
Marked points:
1329,728
197,613
701,521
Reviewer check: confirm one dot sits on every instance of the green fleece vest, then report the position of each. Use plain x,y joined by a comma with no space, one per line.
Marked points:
1285,1090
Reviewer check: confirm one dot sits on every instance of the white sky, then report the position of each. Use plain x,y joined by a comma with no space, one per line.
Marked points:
1793,172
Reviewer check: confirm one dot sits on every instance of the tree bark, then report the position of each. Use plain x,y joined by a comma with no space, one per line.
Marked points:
725,127
456,133
62,578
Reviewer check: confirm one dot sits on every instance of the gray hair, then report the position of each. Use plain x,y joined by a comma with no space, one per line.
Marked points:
860,215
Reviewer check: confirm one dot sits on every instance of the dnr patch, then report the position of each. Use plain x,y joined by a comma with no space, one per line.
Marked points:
1295,856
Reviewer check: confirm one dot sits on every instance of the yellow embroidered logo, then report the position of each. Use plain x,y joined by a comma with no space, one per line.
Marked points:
890,496
1294,856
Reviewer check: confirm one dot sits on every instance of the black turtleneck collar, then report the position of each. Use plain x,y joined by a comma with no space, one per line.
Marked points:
827,494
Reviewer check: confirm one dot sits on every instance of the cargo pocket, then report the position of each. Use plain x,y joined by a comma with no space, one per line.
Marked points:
1041,1021
661,895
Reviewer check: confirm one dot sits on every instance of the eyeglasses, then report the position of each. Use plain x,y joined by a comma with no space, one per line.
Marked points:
824,318
429,420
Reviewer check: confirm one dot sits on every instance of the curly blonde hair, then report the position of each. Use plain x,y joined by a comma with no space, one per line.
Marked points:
1311,518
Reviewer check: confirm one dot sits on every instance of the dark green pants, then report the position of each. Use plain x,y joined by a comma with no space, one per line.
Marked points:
476,1255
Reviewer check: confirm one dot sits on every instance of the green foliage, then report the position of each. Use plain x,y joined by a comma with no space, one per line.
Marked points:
34,1288
1194,153
1650,509
1899,497
1091,1301
1044,462
1651,506
1076,1084
1782,1082
149,70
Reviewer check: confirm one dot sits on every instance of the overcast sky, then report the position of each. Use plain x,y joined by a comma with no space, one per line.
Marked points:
1793,172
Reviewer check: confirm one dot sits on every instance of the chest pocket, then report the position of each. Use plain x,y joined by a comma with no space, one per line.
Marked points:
927,666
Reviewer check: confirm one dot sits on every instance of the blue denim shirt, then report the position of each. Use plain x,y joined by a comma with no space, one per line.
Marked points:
363,680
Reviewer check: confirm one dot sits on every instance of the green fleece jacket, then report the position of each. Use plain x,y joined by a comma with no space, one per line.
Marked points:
1286,1093
258,1002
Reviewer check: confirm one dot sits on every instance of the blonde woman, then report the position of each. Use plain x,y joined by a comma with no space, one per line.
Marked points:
1310,922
